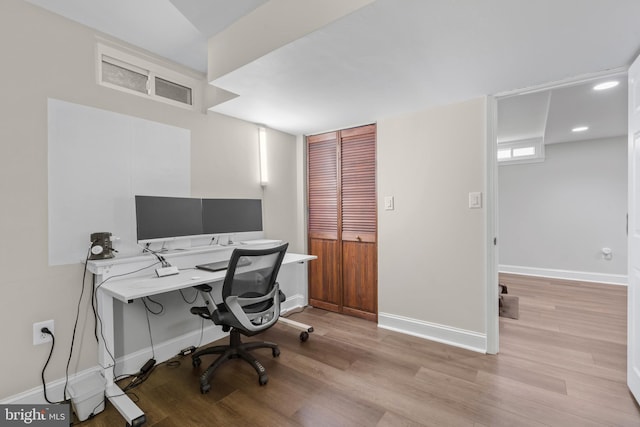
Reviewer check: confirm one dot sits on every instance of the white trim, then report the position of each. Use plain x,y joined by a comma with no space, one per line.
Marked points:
132,362
292,303
492,323
581,276
462,338
164,351
571,81
35,396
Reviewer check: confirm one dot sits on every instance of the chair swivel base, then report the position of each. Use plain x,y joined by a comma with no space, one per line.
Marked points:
236,349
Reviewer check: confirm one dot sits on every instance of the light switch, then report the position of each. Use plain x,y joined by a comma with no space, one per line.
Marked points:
475,200
388,203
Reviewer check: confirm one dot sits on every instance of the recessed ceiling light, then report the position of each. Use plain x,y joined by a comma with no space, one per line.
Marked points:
580,129
606,85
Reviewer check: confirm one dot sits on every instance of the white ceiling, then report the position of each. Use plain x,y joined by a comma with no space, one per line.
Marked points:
552,114
388,58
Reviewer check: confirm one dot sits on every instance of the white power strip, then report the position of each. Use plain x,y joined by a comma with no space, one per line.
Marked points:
167,271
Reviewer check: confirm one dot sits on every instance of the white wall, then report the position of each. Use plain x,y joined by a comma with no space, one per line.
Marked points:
47,56
556,216
432,247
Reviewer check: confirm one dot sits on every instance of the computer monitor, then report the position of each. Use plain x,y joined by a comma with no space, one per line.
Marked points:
165,218
221,216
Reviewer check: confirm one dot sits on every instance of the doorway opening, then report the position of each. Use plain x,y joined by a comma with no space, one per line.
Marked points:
559,205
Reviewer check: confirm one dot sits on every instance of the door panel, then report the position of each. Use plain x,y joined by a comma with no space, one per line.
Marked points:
322,179
324,275
358,175
359,279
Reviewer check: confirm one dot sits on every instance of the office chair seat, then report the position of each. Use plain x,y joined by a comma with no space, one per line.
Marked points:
250,304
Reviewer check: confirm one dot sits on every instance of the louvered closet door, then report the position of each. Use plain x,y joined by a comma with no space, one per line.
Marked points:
359,221
325,289
342,221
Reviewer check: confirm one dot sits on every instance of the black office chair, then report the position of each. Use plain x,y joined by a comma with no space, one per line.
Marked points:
250,304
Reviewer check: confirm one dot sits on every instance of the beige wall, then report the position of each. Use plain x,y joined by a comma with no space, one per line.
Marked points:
46,56
431,247
432,266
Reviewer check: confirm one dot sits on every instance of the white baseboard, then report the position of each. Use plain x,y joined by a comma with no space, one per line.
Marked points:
469,340
129,364
35,396
581,276
293,302
132,362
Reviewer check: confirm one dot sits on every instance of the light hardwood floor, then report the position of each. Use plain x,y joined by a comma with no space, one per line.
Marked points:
562,363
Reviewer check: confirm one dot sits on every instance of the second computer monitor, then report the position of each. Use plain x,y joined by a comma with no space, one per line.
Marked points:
221,216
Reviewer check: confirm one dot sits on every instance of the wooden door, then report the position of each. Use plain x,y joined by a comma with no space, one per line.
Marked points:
322,176
633,291
342,221
359,222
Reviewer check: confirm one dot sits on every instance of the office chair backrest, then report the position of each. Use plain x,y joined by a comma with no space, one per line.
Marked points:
250,290
253,271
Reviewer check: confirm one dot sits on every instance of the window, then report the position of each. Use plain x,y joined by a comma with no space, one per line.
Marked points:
522,151
124,75
171,90
126,72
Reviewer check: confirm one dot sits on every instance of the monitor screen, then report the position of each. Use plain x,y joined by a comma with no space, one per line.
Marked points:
167,217
231,215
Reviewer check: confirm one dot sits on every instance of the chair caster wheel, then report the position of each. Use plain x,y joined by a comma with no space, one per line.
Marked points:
196,362
204,388
275,352
304,336
263,379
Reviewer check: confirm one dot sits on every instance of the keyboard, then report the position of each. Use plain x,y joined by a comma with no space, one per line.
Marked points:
222,265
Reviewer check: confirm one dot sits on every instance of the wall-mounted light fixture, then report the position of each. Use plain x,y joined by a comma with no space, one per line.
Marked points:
262,140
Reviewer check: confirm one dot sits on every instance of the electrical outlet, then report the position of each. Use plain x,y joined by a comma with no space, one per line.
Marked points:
40,337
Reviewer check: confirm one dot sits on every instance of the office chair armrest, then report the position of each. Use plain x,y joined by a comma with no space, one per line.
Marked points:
235,305
207,295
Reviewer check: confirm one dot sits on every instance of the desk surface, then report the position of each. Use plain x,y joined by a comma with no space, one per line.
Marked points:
127,289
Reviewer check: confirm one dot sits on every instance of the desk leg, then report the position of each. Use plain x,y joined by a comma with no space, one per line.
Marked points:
129,410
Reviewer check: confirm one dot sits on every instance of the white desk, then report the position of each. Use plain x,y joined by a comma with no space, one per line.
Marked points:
114,283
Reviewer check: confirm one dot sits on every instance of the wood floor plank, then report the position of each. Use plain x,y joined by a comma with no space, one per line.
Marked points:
562,363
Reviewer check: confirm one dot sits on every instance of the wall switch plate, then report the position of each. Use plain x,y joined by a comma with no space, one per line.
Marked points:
475,200
40,337
388,203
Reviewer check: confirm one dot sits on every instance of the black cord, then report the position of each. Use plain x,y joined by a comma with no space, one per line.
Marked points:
113,358
93,305
75,325
162,260
139,379
195,298
146,312
53,344
156,303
